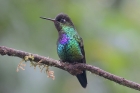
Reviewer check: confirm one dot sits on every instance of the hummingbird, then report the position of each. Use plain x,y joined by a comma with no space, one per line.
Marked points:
70,46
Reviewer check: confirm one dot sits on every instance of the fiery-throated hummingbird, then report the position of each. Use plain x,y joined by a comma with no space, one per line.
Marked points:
70,46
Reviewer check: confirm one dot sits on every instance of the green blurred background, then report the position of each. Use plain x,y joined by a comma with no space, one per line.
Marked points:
110,30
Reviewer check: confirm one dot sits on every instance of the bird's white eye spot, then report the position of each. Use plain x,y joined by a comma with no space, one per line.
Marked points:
64,20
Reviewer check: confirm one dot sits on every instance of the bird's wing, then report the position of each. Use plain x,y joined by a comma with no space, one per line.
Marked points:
82,49
80,41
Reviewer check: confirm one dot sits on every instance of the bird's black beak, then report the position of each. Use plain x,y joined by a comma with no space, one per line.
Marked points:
48,19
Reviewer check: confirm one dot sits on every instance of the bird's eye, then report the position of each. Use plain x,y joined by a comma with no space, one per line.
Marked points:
63,21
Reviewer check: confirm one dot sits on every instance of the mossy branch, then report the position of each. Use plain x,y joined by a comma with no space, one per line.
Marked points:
71,68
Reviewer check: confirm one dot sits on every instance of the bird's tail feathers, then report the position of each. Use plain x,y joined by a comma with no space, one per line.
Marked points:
82,79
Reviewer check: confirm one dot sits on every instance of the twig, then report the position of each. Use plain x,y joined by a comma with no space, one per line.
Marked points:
71,68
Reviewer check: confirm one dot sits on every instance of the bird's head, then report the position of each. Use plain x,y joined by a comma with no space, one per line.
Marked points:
61,20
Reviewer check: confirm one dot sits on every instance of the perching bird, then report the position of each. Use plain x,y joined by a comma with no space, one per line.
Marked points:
70,46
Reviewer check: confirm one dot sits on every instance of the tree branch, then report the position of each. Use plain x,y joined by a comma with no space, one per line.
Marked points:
71,68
